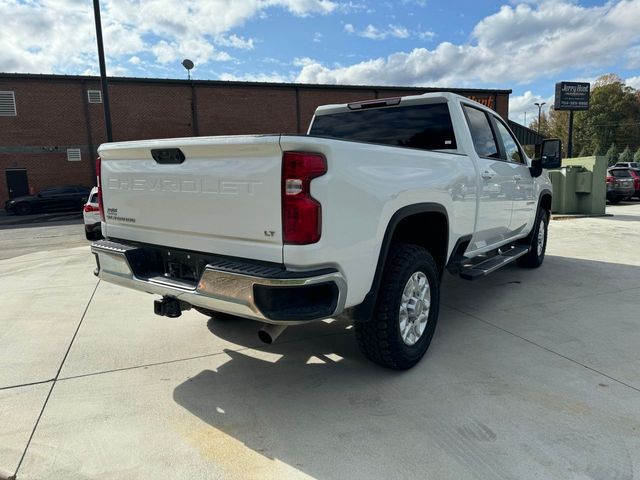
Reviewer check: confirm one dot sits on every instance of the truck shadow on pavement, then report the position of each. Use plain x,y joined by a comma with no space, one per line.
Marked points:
292,402
314,405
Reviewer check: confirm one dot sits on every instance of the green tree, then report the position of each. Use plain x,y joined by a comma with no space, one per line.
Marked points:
626,155
598,151
612,154
636,156
584,152
612,117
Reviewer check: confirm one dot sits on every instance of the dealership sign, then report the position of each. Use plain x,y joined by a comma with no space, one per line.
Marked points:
572,96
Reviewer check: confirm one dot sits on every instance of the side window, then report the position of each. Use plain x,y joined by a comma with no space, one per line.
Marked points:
481,133
510,145
50,191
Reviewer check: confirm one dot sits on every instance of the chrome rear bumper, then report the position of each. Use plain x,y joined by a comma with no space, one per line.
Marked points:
217,289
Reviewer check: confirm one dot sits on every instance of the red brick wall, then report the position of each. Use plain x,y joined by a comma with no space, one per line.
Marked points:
52,111
230,110
46,169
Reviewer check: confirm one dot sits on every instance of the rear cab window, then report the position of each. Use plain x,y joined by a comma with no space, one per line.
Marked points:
425,126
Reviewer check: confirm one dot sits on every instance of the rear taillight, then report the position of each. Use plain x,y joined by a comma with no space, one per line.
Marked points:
90,208
99,180
610,179
301,213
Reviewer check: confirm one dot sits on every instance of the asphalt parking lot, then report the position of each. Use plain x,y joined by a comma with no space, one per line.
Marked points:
531,374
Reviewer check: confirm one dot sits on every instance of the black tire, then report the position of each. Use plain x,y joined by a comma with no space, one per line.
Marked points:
23,209
535,257
380,338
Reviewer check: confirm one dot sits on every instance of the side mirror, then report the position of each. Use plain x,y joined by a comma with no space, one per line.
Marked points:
551,156
551,153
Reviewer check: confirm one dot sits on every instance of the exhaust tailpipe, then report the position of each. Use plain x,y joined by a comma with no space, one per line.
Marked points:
270,333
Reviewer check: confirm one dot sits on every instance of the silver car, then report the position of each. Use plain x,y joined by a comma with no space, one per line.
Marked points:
619,184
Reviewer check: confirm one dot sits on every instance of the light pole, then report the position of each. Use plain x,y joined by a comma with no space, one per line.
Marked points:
539,105
188,64
525,119
103,71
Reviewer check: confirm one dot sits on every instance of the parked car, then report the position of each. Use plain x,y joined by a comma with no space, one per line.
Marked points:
628,165
91,215
635,174
357,216
68,197
619,184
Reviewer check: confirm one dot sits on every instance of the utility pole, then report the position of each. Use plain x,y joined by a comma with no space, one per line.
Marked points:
103,71
525,119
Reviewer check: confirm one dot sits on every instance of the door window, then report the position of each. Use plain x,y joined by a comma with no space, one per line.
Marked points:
510,145
481,133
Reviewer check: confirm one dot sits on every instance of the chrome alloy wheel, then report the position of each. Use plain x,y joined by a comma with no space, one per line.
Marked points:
414,308
541,231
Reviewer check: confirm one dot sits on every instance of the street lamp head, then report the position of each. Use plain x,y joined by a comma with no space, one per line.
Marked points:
188,64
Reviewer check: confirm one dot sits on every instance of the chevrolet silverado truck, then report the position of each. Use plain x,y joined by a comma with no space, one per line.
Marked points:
361,217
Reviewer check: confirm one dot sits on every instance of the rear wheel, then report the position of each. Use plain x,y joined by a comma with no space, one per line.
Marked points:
537,242
405,317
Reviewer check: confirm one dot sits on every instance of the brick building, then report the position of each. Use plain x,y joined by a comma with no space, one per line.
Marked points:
51,125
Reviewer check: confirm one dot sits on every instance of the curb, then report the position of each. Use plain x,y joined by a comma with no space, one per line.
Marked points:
571,217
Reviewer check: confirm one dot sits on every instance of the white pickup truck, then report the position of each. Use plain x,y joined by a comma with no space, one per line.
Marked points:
360,216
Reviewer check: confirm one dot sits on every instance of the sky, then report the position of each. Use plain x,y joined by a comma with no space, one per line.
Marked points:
523,45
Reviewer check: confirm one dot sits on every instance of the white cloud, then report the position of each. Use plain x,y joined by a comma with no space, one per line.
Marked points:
273,77
317,37
519,104
58,36
235,41
633,82
516,44
390,31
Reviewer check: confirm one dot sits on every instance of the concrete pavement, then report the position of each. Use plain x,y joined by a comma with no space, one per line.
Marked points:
531,374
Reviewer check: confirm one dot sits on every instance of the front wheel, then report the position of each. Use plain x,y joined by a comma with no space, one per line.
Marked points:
537,242
406,313
23,209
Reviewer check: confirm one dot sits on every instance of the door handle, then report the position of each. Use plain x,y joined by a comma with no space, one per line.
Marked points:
517,177
486,175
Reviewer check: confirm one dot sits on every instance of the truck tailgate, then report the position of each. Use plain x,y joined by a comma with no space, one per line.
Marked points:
223,198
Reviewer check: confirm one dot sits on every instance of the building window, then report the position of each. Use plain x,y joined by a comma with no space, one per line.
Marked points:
94,96
7,104
74,155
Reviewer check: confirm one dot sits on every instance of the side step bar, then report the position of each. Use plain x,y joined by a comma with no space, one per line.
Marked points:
473,271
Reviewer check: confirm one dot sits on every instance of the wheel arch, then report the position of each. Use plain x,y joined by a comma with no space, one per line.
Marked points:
546,197
402,228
